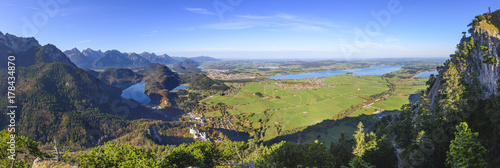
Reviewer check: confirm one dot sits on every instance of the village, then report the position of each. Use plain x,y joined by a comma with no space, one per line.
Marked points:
224,75
223,125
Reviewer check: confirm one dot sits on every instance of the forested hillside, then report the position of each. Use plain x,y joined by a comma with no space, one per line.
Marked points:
57,100
466,90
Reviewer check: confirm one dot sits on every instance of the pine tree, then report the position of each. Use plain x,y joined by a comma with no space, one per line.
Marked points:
361,145
464,151
342,150
357,162
425,117
452,94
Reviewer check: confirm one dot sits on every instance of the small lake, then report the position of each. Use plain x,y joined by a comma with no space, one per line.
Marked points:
426,74
180,87
373,70
136,92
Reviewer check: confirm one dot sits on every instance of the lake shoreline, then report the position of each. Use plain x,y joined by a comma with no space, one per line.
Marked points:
372,70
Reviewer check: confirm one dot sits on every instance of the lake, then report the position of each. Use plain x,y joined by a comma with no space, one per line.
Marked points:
136,92
373,70
180,87
268,67
426,74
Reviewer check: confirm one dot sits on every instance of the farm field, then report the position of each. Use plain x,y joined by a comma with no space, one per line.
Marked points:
404,88
279,107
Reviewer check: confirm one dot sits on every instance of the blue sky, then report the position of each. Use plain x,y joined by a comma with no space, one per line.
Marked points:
261,29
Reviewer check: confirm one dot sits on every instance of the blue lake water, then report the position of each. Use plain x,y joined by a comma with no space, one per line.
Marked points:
268,67
180,87
374,70
136,92
426,74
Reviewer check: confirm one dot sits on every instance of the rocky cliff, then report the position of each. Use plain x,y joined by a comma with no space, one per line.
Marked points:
488,74
79,59
28,51
476,61
466,90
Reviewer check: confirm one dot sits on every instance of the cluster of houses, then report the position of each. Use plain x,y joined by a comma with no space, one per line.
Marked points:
197,118
298,87
222,74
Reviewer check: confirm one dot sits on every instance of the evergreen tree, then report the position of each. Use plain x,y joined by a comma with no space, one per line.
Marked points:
357,162
342,150
425,118
23,147
116,155
464,151
384,156
495,116
361,145
288,154
201,154
452,95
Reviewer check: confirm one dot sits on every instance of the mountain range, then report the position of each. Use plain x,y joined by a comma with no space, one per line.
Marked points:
28,51
56,99
186,66
92,59
197,59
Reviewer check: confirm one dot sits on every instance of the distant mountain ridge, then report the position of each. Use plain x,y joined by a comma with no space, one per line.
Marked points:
197,59
79,58
162,59
92,59
186,66
56,99
28,51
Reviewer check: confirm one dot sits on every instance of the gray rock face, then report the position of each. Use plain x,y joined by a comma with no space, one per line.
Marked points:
81,60
149,56
18,43
28,51
93,54
36,162
2,36
71,52
488,73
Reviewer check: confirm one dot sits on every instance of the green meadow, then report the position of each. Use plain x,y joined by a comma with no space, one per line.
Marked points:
286,106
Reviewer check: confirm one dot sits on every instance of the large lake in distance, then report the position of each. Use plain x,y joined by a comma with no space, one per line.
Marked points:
373,70
426,74
136,92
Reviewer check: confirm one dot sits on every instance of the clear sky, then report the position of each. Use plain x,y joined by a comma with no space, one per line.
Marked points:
260,29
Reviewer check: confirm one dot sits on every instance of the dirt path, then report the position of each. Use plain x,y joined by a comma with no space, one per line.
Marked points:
283,128
332,136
